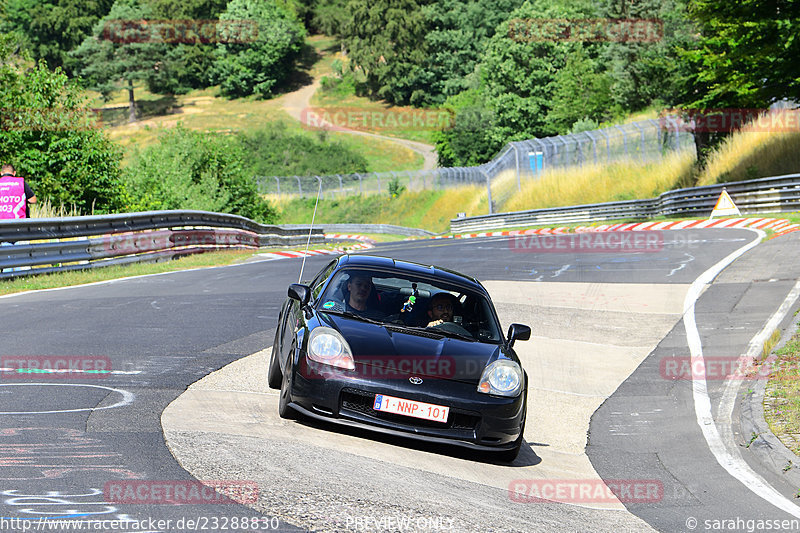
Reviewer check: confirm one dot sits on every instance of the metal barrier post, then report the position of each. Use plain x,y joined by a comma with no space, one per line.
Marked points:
594,145
641,131
321,193
489,192
608,144
624,139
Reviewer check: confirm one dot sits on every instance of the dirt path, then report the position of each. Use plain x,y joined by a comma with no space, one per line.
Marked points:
295,102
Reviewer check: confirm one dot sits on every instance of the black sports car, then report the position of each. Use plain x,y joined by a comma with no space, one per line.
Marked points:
404,349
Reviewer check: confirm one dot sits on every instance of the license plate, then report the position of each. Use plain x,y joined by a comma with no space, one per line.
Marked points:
400,406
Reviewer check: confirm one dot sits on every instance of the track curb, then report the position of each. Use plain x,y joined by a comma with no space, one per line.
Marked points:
780,226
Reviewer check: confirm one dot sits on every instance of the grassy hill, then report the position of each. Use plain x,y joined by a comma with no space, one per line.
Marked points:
205,110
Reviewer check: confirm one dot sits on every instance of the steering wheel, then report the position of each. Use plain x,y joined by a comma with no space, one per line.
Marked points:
452,327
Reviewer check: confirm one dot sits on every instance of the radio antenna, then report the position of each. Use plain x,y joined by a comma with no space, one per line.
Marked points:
310,228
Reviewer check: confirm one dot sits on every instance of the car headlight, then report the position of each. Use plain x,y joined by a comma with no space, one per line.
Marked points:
326,345
502,377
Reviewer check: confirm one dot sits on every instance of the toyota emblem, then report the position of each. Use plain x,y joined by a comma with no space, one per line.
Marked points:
415,380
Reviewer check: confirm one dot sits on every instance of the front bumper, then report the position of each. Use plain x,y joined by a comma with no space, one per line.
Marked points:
477,421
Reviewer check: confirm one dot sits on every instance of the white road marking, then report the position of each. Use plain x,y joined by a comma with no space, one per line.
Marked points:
127,398
729,459
561,271
68,371
683,264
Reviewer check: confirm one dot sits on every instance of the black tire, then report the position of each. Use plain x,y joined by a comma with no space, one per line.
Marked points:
274,374
284,411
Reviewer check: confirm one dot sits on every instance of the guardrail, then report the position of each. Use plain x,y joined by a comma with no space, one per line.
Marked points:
763,195
44,245
366,228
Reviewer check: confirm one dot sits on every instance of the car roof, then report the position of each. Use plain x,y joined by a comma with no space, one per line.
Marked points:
387,263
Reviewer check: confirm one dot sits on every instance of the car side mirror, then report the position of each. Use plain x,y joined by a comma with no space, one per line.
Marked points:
301,293
518,332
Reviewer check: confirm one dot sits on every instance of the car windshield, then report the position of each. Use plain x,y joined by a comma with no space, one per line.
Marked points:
416,303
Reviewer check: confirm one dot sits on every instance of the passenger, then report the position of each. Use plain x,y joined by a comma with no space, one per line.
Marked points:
441,308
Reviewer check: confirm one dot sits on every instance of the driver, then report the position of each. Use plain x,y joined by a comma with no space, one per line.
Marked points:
360,287
440,309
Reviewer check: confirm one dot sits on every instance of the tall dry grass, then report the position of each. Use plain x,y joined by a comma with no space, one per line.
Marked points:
43,208
623,180
752,154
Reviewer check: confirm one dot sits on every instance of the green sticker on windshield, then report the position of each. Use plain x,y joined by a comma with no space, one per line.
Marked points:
328,305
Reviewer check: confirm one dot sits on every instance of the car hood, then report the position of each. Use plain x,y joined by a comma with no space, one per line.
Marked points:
389,351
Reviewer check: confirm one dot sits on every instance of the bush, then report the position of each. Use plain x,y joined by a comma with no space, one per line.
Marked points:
395,188
469,142
193,170
274,151
258,66
341,87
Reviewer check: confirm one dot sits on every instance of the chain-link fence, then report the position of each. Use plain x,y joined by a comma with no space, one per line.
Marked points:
644,141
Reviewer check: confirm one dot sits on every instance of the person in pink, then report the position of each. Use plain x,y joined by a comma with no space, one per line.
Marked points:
15,194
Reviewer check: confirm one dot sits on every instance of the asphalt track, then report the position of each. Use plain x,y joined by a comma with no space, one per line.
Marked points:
163,333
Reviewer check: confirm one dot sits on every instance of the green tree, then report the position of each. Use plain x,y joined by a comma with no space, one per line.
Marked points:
582,92
516,85
258,66
121,50
52,138
188,9
649,73
186,65
415,52
50,29
456,32
469,141
328,16
385,41
518,69
187,169
747,54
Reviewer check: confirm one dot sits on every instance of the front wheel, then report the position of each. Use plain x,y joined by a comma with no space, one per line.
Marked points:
284,410
274,374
